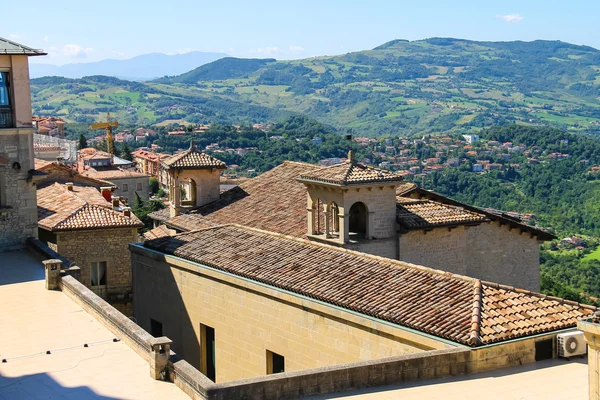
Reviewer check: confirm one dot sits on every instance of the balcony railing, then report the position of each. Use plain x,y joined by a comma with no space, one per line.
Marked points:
6,120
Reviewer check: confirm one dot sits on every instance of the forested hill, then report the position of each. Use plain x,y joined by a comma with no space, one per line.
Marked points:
400,87
564,194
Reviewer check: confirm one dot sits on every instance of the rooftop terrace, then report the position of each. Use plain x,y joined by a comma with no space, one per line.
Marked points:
550,379
36,320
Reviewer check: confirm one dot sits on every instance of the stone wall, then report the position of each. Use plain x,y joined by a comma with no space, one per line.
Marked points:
18,200
378,247
110,245
131,183
250,319
490,251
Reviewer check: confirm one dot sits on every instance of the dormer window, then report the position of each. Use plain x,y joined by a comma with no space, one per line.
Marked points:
6,112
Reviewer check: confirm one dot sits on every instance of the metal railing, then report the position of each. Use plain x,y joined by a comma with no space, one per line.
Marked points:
6,120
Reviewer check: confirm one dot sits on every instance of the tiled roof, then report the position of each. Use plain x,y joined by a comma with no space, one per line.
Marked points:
193,159
62,209
158,232
274,201
55,171
423,214
113,173
351,173
462,309
93,217
13,48
419,193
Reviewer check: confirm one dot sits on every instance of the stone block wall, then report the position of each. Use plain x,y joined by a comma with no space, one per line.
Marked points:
110,245
490,252
250,319
132,188
438,248
381,201
18,200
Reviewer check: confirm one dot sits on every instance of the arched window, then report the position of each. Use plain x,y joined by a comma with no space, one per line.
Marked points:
358,218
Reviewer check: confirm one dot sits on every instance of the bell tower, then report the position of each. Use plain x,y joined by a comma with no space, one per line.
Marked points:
351,202
194,179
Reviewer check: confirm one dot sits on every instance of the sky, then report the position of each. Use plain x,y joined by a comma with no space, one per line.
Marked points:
86,31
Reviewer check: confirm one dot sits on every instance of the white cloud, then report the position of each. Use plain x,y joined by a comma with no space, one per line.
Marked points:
74,50
266,50
296,49
511,18
45,38
179,51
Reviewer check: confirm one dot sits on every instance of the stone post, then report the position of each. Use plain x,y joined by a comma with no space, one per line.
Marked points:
591,332
159,357
344,227
52,268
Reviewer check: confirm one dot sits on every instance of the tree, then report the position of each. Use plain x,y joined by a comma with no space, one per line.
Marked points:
82,142
154,185
137,203
127,153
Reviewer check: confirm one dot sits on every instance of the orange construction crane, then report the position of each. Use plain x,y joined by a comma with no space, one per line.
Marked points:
108,125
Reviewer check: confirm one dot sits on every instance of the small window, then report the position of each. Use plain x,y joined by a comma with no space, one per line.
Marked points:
275,363
125,188
98,278
156,328
139,186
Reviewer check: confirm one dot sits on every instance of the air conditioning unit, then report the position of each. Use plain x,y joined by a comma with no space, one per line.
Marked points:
571,344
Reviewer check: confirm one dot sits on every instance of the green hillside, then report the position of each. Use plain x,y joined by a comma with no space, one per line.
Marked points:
400,87
225,68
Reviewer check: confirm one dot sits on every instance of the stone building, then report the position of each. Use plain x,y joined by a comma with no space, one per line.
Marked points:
17,175
148,162
193,179
103,166
240,303
91,229
371,210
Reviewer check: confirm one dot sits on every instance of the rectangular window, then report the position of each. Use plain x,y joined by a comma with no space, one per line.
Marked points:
275,363
139,186
98,278
6,117
155,328
208,350
125,187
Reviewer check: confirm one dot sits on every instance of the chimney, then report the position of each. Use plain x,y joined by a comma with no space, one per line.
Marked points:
106,192
115,202
69,186
127,212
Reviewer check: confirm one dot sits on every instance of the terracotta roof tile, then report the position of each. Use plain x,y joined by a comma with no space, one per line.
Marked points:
113,173
94,217
423,214
458,308
351,173
158,232
193,159
82,208
273,201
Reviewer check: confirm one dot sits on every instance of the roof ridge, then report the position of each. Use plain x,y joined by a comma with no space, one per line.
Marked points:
348,171
397,263
537,294
475,335
299,163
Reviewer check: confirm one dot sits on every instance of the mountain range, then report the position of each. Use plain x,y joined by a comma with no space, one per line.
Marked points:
139,68
399,88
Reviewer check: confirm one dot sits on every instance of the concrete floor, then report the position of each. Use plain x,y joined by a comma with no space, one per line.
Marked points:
35,320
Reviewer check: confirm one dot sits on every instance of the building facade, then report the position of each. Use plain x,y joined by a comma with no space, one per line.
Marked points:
238,301
18,215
